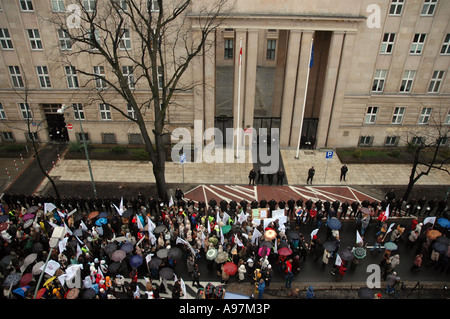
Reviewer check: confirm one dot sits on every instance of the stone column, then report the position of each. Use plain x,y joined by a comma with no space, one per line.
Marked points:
209,69
240,35
305,51
334,60
250,79
289,86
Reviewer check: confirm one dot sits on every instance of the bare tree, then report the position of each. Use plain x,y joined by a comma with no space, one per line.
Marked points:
426,144
167,35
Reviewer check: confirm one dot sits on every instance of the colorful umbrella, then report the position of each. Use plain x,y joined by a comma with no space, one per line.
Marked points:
444,222
359,252
270,234
263,251
226,229
73,293
211,254
101,221
284,251
93,214
4,226
230,268
27,217
390,246
433,234
41,293
25,280
21,291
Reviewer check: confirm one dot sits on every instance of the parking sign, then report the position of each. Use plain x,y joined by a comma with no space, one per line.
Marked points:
183,158
329,155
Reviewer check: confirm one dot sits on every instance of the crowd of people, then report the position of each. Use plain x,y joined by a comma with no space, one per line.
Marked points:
114,242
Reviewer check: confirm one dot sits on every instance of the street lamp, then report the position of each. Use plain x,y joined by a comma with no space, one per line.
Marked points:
57,235
61,111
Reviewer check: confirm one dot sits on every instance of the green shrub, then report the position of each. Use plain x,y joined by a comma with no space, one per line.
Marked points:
395,154
119,150
139,154
357,153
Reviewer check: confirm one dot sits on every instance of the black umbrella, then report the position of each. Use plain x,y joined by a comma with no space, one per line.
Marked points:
267,244
4,218
155,262
12,279
113,269
175,253
346,255
89,294
329,245
293,235
127,213
159,229
166,273
112,247
440,247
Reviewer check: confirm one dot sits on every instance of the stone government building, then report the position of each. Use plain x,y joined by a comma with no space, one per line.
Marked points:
374,73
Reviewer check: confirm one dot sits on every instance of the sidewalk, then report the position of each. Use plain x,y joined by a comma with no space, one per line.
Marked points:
237,173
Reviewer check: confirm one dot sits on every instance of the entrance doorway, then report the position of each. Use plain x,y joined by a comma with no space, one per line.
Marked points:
223,122
56,123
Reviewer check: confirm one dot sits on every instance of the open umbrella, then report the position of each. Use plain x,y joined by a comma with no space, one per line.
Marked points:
226,229
21,291
28,223
93,214
443,239
329,245
4,226
4,218
211,254
102,215
26,278
162,253
230,268
346,255
113,269
293,235
270,234
41,293
390,246
221,257
366,211
12,279
154,263
73,293
159,229
31,258
78,232
127,247
36,270
166,273
175,253
444,222
334,223
48,281
440,247
136,261
266,243
111,248
127,213
27,217
359,252
5,261
101,221
433,234
118,255
284,251
33,209
263,251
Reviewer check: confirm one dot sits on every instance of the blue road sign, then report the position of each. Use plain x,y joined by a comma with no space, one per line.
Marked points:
183,158
329,155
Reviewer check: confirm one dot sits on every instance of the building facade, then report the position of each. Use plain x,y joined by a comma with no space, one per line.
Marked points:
379,68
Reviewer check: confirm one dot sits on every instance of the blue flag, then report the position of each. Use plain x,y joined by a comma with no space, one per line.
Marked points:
311,60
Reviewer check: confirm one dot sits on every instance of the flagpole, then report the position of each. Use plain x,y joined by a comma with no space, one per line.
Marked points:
304,100
239,98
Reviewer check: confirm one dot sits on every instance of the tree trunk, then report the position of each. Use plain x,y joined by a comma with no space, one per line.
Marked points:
412,178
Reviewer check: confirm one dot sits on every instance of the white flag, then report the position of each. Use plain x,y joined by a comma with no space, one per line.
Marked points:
225,218
152,238
242,217
83,226
386,213
338,260
431,220
256,235
139,223
275,250
222,239
238,241
314,232
120,209
209,226
171,201
48,207
52,267
358,237
150,225
62,244
183,288
390,228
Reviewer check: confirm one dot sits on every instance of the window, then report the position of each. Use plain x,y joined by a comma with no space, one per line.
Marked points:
436,81
109,138
371,115
44,78
122,4
35,39
153,5
396,7
26,5
447,119
446,45
229,45
89,5
125,41
2,112
429,7
65,43
58,6
365,141
16,77
100,82
94,41
397,117
31,136
78,111
417,140
105,112
71,76
25,110
135,138
80,136
5,39
425,114
131,112
128,73
408,78
8,137
417,44
391,141
271,46
378,81
388,43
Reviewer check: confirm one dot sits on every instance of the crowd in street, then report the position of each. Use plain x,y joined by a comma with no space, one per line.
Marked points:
110,244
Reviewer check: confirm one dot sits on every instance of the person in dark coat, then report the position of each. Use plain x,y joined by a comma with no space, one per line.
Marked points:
260,177
251,177
244,204
280,176
272,204
311,173
344,170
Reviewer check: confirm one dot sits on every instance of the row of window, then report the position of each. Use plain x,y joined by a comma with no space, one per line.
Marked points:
428,7
368,141
72,78
399,114
407,81
417,44
229,48
88,5
78,112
